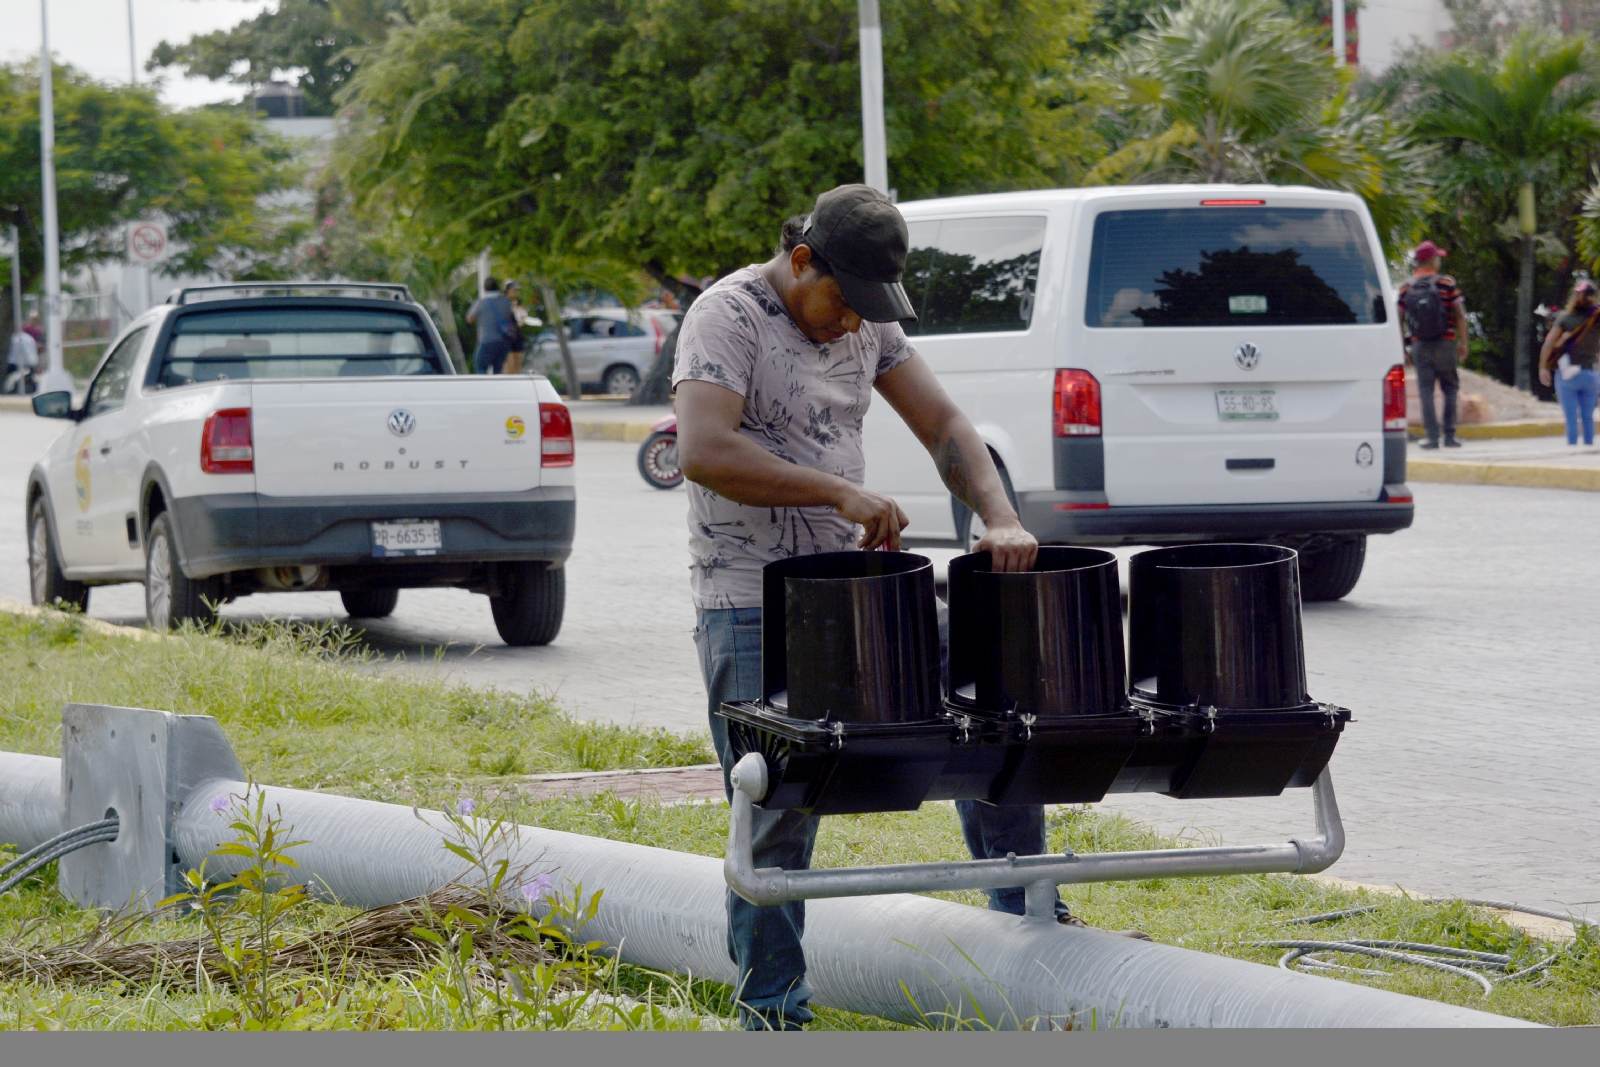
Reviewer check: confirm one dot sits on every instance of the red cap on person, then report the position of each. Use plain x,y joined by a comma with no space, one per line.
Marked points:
1428,250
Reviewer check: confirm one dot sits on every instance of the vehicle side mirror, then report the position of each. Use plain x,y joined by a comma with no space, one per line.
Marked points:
57,405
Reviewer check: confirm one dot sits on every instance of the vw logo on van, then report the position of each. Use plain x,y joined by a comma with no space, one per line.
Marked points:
401,422
1247,355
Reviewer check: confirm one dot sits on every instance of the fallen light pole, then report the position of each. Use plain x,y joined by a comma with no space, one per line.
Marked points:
887,956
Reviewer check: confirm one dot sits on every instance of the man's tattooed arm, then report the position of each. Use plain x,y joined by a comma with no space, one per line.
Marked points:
955,472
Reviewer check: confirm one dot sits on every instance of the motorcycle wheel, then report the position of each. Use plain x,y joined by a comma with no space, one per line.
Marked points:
658,461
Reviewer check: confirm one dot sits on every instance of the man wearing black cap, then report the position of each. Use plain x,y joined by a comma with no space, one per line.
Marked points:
775,368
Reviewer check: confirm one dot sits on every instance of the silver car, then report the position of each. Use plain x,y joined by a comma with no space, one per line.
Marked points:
612,348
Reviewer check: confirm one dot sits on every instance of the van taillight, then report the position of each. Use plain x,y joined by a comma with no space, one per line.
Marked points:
555,436
225,444
1394,398
1077,404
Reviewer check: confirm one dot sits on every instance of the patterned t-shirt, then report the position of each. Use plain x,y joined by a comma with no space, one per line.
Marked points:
1449,296
803,402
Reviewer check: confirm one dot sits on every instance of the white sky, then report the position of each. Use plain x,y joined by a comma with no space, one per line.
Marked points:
92,35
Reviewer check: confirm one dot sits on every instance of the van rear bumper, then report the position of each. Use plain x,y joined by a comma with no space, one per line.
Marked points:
242,531
1075,518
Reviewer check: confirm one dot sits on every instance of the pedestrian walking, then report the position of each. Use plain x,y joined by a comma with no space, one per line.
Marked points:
1569,356
1433,321
497,328
775,368
519,319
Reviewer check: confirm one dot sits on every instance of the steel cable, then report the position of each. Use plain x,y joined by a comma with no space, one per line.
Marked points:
53,849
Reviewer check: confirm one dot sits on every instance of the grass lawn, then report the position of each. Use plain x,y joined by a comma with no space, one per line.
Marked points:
300,712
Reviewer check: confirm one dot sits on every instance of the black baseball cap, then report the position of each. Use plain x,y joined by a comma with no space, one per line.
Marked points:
860,234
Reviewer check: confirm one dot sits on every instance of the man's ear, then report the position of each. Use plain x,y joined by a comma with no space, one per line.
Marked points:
800,259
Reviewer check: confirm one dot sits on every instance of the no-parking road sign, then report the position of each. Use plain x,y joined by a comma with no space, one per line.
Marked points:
147,242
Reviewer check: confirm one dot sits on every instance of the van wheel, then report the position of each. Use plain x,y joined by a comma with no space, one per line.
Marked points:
529,613
1333,572
970,527
369,603
169,596
46,584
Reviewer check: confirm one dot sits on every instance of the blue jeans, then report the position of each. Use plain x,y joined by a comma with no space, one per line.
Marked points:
764,940
490,358
1578,394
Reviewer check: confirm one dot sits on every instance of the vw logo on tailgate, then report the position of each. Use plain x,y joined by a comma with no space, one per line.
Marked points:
401,422
1246,355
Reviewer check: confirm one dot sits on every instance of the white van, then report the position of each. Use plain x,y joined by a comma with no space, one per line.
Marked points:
1161,364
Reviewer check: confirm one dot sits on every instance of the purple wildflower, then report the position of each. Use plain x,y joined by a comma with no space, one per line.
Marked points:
466,806
219,805
536,889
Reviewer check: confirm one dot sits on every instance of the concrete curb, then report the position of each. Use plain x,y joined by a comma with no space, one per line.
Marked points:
607,430
1504,474
109,629
1500,430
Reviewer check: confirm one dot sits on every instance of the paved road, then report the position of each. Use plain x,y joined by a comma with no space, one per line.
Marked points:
1467,653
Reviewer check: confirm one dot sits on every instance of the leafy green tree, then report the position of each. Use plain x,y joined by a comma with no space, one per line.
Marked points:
1505,125
121,155
312,36
678,134
1245,91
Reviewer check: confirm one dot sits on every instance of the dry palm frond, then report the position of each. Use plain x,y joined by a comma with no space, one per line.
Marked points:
380,941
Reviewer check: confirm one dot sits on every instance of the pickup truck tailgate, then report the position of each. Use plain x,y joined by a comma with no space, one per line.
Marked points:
388,436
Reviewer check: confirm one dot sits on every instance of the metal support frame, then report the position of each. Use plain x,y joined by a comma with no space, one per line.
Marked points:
1038,875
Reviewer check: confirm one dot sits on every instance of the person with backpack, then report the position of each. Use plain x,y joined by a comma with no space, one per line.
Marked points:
1433,320
1571,350
498,332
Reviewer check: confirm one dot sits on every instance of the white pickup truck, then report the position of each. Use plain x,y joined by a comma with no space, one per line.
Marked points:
253,438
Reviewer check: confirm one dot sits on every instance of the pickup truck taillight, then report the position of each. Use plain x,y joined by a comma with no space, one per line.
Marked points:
1394,398
555,436
225,446
1077,404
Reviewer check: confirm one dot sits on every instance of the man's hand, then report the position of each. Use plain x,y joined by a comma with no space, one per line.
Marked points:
1462,350
1013,548
881,516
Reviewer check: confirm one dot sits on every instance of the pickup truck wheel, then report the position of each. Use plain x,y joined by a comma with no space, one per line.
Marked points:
530,612
169,596
1333,572
46,583
369,603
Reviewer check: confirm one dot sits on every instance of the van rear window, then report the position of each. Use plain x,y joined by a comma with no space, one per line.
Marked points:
294,343
1227,266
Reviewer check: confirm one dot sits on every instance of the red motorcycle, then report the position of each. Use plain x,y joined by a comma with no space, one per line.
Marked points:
658,456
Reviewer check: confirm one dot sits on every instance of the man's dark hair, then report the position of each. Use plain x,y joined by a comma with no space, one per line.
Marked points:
793,235
491,285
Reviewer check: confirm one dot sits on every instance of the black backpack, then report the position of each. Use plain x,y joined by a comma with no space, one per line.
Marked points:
1425,309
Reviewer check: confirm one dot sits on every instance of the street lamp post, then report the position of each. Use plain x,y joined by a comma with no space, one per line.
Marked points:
872,136
56,376
1338,32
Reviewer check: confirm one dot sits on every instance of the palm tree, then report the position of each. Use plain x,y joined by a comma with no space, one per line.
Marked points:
1506,123
1242,91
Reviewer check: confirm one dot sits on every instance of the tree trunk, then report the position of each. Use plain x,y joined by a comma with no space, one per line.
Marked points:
552,312
452,339
1523,349
657,385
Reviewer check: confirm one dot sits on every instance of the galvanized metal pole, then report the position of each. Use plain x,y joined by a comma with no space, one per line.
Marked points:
133,55
56,376
874,148
1338,32
888,956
